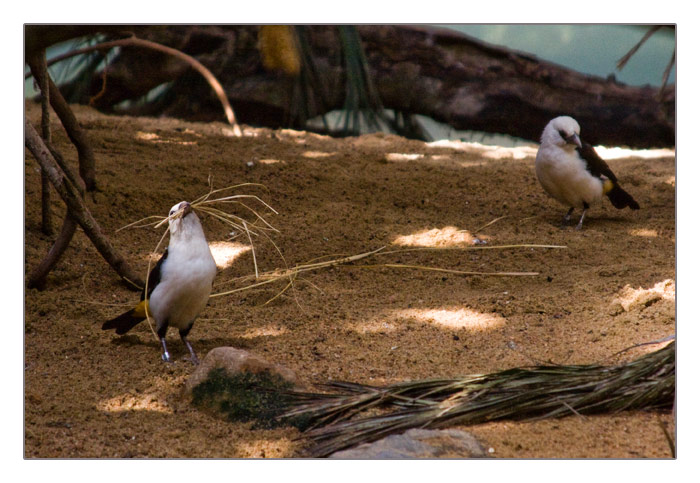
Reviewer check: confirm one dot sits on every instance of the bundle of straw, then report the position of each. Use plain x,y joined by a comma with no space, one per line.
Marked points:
646,383
206,204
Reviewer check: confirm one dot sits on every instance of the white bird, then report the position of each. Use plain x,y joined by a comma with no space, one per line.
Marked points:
179,285
572,173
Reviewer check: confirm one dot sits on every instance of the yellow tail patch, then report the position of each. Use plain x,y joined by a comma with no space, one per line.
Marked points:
140,309
607,186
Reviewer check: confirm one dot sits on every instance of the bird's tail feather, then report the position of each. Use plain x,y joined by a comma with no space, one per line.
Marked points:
128,320
621,198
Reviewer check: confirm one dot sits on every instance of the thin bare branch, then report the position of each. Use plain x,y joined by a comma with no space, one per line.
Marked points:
623,61
76,206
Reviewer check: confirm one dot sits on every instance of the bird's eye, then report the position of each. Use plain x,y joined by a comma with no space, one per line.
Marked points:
171,212
562,133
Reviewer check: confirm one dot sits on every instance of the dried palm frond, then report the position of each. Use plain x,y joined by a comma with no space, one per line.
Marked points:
363,110
625,58
279,49
646,383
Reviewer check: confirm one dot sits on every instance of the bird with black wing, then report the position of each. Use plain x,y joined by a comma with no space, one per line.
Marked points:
179,286
571,172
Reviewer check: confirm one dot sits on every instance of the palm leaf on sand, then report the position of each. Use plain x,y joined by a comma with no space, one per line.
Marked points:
522,393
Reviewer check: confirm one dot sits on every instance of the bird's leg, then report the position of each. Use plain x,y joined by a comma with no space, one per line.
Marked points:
162,330
567,217
583,215
195,359
580,222
166,354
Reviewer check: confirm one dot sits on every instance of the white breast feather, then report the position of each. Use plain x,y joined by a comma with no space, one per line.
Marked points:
186,277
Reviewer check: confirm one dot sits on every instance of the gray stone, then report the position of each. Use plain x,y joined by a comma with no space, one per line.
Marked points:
235,361
419,443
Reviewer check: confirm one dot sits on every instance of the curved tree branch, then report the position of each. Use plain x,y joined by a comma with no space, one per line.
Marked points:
194,63
86,157
76,206
38,67
37,279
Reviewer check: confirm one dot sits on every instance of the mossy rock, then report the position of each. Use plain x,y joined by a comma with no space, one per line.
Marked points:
261,397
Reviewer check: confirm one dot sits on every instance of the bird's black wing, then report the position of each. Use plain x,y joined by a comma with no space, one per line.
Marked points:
154,276
130,319
594,163
597,167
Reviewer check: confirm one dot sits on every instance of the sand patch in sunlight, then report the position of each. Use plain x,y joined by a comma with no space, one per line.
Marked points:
155,138
437,237
317,154
225,253
644,232
617,153
630,298
268,331
462,318
134,402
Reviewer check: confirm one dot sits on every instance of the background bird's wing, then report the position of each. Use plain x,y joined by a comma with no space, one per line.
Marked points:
594,163
597,167
154,276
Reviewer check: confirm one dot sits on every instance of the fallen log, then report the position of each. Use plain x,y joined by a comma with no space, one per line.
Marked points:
445,75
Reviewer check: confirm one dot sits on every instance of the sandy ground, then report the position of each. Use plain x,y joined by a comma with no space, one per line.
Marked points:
92,394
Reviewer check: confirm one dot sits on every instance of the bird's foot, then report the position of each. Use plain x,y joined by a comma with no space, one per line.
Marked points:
193,354
166,354
567,217
580,222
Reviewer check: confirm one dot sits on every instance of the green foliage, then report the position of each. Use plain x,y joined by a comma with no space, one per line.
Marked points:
362,108
259,397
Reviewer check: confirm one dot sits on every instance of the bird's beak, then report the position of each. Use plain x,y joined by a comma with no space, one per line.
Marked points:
186,208
574,139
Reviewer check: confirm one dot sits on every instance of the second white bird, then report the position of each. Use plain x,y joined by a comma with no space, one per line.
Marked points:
572,173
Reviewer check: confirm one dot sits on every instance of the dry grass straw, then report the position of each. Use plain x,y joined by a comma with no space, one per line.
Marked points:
260,227
538,392
478,230
291,274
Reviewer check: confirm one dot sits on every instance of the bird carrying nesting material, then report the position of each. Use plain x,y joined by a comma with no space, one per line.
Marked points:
571,172
179,286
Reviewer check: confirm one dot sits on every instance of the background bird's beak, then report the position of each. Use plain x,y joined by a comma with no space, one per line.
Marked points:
574,139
